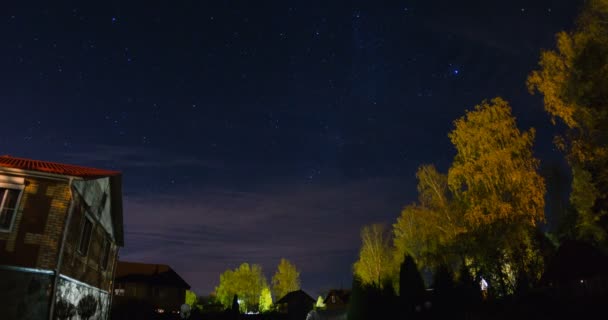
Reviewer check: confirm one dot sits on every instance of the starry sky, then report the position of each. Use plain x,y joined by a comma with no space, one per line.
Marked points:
248,131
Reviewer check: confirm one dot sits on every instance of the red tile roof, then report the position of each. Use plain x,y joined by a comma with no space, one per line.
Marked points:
56,168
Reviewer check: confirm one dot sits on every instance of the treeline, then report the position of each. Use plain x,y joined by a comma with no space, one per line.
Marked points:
482,217
245,289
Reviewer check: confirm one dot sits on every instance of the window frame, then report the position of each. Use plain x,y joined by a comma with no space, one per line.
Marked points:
10,186
82,227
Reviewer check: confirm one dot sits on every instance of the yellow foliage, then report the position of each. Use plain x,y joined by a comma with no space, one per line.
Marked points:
375,264
425,229
286,279
494,172
245,281
265,300
573,79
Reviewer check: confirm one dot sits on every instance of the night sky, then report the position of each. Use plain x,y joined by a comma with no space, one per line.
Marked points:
248,131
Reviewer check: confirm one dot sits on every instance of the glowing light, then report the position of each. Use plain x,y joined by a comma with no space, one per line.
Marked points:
483,284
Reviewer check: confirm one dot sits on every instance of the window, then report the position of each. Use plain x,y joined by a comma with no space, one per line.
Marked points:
131,290
119,290
106,254
85,236
159,292
102,204
9,201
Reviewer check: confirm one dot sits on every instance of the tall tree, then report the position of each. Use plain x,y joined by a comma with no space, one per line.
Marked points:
411,285
192,300
375,264
245,281
426,230
286,279
495,177
573,79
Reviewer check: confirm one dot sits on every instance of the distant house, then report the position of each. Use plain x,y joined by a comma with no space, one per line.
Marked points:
154,286
296,304
337,299
60,230
577,268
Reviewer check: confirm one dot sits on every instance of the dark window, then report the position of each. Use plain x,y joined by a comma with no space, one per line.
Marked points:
106,254
85,236
8,207
131,290
102,203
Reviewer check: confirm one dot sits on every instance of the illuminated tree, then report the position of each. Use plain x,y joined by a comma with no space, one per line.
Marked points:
426,230
246,282
494,178
192,300
375,264
265,300
320,303
573,79
286,279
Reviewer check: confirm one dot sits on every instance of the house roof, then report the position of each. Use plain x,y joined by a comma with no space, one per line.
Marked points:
342,294
55,168
575,260
298,295
154,274
86,173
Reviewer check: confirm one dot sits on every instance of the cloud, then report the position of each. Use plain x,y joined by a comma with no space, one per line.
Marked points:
205,232
136,157
491,38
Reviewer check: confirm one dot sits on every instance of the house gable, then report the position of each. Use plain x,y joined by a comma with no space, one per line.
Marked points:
96,196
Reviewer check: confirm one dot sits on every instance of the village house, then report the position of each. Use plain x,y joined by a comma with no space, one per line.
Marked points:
60,230
154,286
337,299
296,304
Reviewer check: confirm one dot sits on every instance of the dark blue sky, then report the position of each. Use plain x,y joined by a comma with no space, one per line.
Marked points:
248,131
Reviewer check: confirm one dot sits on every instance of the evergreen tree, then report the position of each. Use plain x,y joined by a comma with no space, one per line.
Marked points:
468,293
357,307
411,285
235,304
443,290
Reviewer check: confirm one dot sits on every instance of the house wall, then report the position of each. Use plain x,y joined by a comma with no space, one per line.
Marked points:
34,242
164,297
87,268
34,239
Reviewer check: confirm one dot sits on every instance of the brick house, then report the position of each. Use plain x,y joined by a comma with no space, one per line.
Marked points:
60,230
154,286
